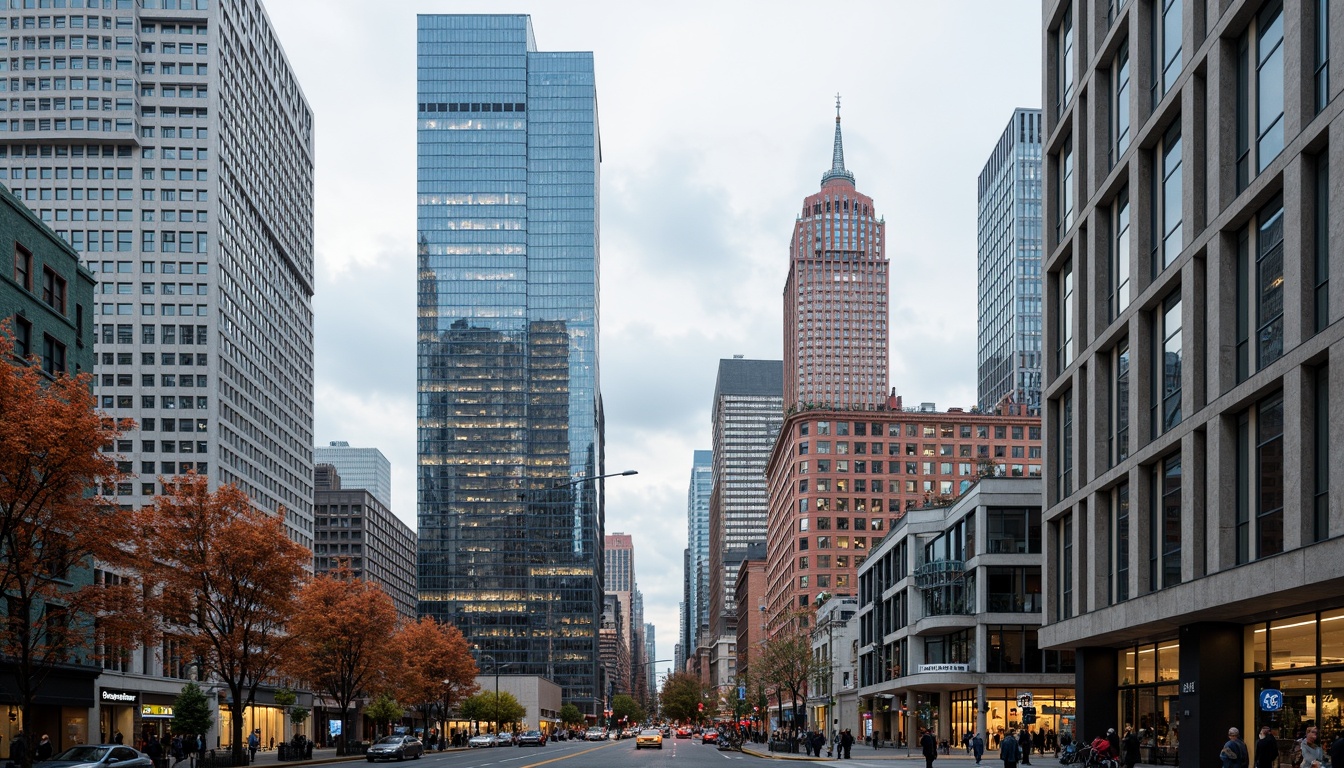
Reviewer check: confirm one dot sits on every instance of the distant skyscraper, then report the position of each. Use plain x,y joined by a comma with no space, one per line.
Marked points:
1009,258
747,412
365,468
695,600
510,407
835,299
356,531
650,655
620,562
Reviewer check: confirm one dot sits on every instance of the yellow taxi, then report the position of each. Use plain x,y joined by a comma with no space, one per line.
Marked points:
649,737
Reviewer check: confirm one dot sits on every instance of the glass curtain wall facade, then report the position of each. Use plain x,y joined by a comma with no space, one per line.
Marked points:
696,604
1009,259
509,405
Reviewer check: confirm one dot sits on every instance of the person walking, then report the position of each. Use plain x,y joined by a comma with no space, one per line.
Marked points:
1024,745
977,747
1129,748
928,744
1009,751
1336,751
253,744
1234,753
1267,748
846,744
1313,755
1038,741
44,749
155,750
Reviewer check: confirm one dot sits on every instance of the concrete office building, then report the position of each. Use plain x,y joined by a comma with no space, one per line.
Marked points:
747,410
1193,340
695,597
510,403
355,531
835,298
187,126
1009,268
365,468
832,699
839,481
949,618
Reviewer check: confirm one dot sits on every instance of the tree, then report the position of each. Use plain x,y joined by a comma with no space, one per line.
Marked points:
340,643
789,662
222,575
485,707
191,711
54,524
437,669
571,715
681,696
625,708
285,698
383,711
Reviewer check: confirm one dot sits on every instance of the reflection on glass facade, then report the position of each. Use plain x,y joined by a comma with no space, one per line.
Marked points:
1009,257
509,405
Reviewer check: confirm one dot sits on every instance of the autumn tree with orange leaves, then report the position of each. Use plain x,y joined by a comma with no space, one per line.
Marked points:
341,644
222,576
437,670
53,526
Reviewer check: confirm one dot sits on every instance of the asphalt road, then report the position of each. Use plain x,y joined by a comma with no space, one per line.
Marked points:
681,753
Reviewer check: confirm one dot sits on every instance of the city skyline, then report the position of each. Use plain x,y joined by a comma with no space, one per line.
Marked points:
730,140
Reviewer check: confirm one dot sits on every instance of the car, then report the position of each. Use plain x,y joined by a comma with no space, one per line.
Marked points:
709,737
683,733
595,734
667,731
99,756
649,737
395,747
484,740
504,739
532,738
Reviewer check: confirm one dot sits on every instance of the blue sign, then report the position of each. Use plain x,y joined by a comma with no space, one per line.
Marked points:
741,692
1271,700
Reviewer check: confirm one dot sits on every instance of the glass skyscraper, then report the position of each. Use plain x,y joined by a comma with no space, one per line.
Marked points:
509,403
695,600
1009,258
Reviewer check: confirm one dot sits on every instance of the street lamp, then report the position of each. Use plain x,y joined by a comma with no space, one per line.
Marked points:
497,666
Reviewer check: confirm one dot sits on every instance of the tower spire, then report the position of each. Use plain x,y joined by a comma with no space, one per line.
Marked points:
837,153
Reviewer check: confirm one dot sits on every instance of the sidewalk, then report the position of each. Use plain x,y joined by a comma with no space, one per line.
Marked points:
271,757
887,752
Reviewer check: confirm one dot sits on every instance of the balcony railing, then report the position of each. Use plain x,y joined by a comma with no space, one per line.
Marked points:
940,573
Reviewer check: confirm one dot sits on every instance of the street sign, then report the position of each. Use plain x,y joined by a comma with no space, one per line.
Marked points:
1271,700
1024,699
741,693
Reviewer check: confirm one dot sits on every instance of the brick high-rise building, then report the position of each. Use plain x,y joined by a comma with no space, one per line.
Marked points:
835,299
840,480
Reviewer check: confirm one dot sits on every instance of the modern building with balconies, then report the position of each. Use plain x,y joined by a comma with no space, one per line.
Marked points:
949,608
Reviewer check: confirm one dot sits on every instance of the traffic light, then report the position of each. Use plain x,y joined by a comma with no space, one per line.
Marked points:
700,706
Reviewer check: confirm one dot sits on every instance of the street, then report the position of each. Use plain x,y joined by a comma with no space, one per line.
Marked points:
683,753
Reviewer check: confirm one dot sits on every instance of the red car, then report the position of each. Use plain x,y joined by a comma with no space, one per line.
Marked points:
683,733
709,737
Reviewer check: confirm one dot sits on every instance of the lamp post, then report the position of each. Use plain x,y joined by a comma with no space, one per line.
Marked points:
496,666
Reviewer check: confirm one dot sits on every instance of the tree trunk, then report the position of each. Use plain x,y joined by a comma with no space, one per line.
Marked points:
236,724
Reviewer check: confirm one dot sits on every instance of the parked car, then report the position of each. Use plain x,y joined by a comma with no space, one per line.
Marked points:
504,739
649,737
595,734
484,740
531,739
99,756
709,737
395,747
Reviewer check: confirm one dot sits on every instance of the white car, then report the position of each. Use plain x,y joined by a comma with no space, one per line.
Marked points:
504,739
484,740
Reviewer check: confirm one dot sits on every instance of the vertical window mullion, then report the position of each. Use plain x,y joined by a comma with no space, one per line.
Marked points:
1322,240
1321,457
1243,489
1322,54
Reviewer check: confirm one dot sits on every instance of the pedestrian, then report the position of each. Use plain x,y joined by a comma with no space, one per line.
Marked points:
178,749
155,750
1024,745
807,743
1052,741
977,747
1114,739
1234,753
118,738
928,744
1038,741
253,744
818,741
966,741
1129,748
1336,752
1313,755
44,749
846,744
1009,752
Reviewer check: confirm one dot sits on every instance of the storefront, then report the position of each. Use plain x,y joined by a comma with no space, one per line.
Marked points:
116,714
60,709
267,720
156,716
1301,658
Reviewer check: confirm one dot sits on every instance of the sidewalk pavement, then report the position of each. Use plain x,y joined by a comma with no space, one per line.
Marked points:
272,757
861,751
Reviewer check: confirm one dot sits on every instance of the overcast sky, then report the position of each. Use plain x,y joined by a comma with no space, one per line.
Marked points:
716,121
